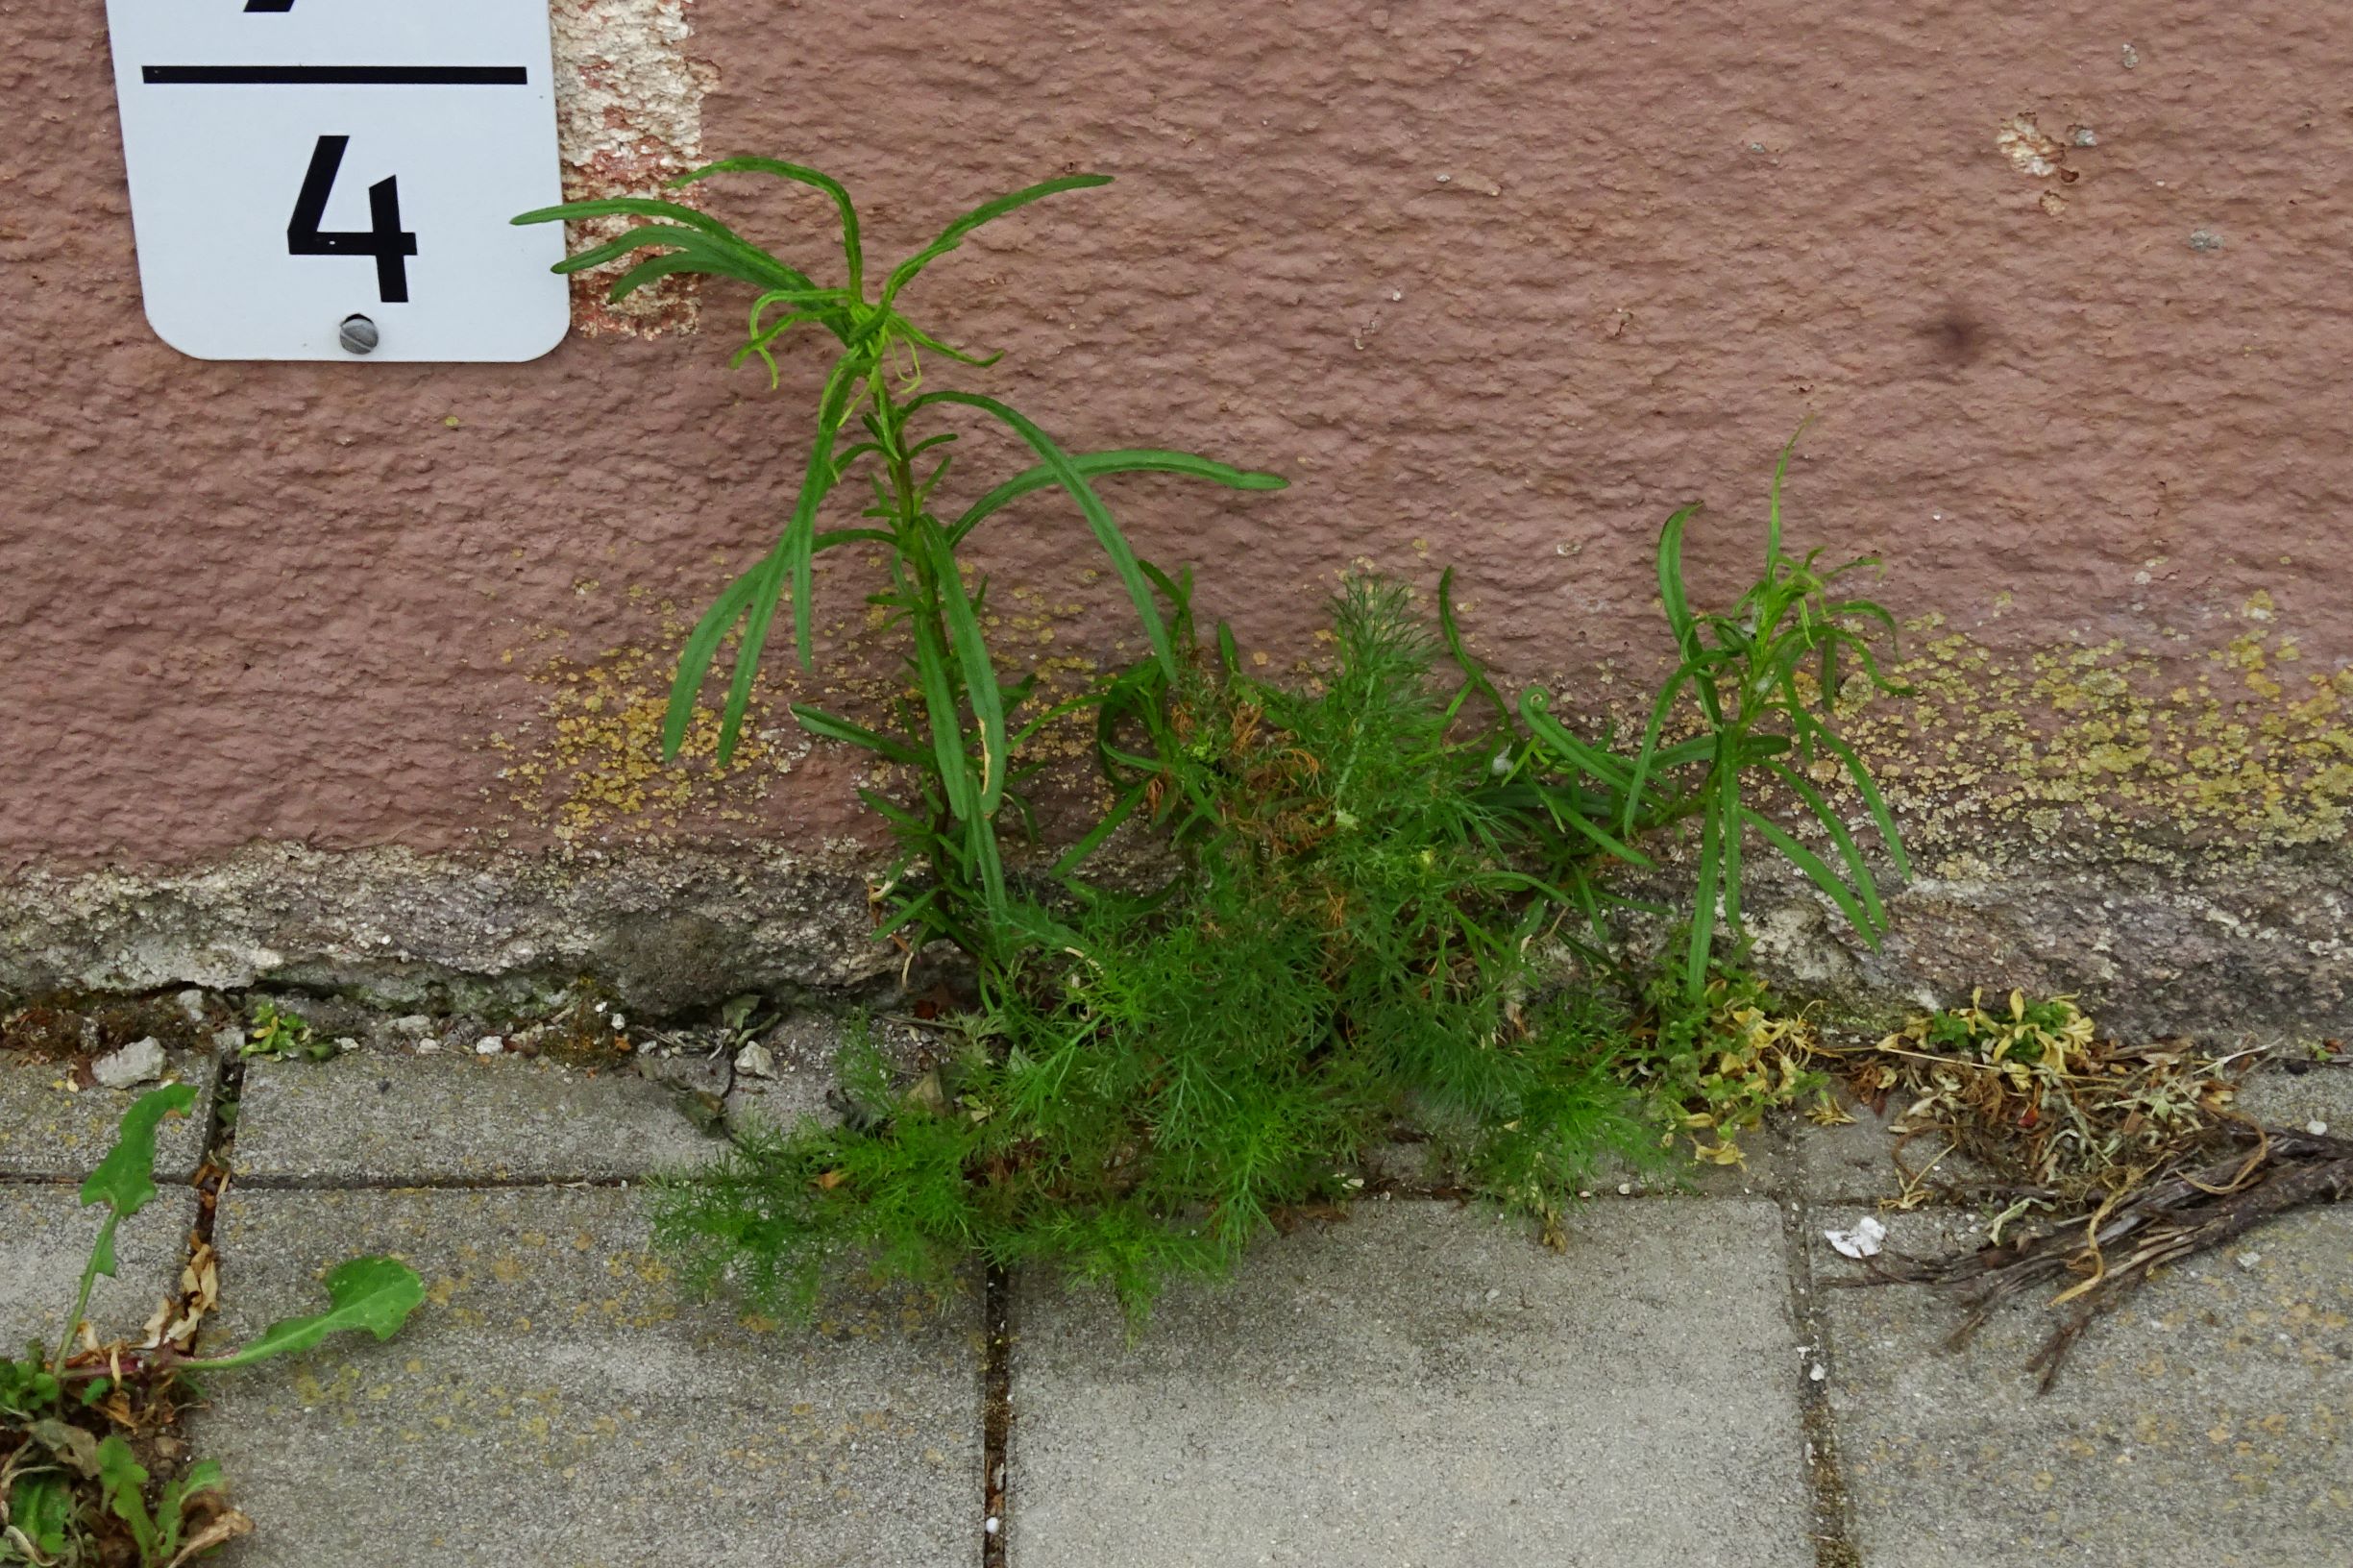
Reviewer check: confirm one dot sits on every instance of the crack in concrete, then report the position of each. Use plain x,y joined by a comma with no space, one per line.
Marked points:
1833,1521
996,1418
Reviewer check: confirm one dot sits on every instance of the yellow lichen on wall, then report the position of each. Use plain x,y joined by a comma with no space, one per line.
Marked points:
2232,752
591,757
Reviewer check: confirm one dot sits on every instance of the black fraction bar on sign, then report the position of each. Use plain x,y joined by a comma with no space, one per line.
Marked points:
336,76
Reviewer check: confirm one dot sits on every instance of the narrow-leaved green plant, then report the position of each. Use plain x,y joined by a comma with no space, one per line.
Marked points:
961,739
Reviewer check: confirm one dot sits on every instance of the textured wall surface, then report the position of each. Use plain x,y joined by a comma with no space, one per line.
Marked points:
1498,285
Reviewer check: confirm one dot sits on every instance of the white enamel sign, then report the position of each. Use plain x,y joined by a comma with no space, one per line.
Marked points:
332,179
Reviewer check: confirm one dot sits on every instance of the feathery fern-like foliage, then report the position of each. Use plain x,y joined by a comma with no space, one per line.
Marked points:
1348,950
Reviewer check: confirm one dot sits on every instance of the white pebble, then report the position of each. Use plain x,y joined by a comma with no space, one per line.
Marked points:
2317,1127
141,1062
489,1045
1819,1372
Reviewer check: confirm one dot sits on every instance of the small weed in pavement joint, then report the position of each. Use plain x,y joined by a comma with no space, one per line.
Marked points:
89,1475
2029,1090
1717,1065
282,1034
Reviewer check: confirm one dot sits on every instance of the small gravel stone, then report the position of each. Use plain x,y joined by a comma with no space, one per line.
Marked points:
229,1038
489,1045
2318,1128
141,1062
192,1003
756,1061
416,1026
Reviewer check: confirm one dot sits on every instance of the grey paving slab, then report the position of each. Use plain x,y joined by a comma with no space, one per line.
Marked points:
52,1132
1426,1385
391,1118
2203,1426
45,1236
556,1403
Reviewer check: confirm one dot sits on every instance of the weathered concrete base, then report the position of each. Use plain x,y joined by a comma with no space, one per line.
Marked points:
1424,1384
556,1402
2225,952
2228,948
668,929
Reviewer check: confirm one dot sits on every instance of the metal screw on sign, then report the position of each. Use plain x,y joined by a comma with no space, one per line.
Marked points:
357,334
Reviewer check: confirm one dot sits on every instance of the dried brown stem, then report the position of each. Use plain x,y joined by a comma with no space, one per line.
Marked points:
2179,1216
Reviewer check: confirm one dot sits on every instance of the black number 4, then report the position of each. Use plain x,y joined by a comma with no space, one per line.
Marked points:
383,238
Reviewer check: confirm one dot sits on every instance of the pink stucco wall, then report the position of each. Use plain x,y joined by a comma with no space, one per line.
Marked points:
1497,284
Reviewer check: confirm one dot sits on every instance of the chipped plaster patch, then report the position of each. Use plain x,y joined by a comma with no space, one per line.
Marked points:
2033,151
628,116
2027,148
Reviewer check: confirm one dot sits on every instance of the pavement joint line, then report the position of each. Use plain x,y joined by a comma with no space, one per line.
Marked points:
220,1146
996,1418
278,1181
1833,1522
